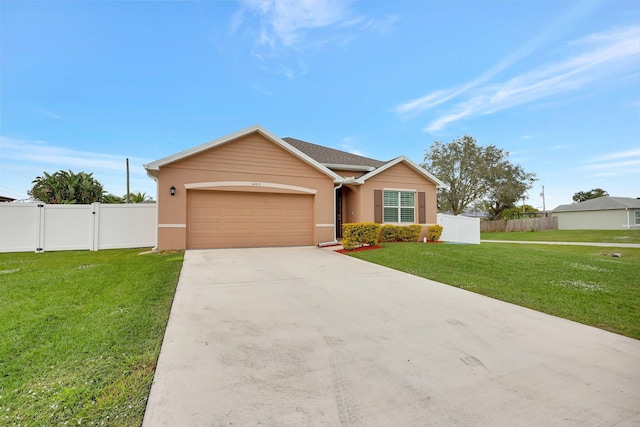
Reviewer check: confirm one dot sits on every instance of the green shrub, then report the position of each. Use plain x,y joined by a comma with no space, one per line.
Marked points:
359,233
389,233
410,233
434,232
405,233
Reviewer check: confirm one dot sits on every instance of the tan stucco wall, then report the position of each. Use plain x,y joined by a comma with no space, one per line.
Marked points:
172,238
399,177
351,204
359,203
252,158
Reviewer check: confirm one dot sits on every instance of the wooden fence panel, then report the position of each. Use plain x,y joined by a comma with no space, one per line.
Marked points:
532,224
493,226
523,224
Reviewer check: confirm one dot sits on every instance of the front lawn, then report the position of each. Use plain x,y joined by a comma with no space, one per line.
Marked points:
599,236
81,332
575,282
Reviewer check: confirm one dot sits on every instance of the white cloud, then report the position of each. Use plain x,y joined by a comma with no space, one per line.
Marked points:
284,22
347,145
594,58
559,147
416,107
284,31
626,165
30,158
614,164
618,155
49,114
382,26
64,158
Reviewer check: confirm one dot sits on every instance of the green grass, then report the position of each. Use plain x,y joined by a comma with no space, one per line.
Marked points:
598,236
81,332
574,282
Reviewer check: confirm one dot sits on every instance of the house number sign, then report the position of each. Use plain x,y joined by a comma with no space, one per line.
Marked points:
255,184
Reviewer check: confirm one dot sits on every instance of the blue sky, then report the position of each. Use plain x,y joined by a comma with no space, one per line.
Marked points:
86,84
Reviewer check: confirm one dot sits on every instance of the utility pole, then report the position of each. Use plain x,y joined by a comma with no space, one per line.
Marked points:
127,200
544,208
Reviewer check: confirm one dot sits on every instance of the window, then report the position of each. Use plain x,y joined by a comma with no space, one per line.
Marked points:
637,217
399,206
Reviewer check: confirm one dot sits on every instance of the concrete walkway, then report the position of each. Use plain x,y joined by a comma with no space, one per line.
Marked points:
606,245
303,336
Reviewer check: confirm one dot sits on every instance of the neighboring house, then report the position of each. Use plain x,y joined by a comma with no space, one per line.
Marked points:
471,213
602,213
6,199
252,189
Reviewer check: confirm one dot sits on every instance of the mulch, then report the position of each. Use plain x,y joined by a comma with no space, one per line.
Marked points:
368,248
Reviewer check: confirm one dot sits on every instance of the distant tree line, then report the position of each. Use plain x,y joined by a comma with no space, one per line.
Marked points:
582,196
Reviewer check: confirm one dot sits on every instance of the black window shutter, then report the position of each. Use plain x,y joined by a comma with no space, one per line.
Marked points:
377,206
422,208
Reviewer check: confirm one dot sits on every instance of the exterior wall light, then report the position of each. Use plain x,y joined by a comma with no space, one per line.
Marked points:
173,190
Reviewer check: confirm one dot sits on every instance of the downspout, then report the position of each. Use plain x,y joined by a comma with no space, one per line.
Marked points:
628,218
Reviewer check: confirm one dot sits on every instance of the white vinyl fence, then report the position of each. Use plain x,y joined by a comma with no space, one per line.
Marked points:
459,229
37,227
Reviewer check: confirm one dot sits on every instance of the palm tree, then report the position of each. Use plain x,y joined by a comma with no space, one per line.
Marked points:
112,199
138,197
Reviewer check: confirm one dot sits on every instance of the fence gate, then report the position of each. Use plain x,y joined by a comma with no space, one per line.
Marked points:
38,227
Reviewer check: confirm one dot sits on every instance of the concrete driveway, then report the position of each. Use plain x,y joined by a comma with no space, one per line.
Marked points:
306,336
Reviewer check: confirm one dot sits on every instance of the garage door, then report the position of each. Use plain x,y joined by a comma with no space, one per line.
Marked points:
227,219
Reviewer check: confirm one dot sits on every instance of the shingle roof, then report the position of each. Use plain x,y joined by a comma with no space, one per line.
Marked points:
325,159
601,203
331,156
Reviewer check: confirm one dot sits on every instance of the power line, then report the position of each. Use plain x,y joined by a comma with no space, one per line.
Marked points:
12,192
20,194
16,173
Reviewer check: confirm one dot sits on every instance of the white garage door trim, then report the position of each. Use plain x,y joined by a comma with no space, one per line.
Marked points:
203,185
